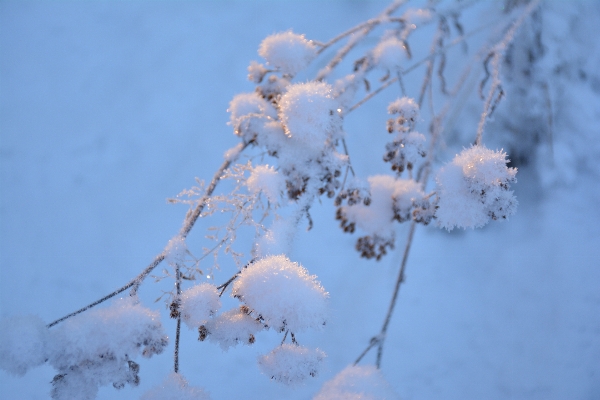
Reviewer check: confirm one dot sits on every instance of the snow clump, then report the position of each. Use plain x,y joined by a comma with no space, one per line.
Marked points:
473,188
406,107
282,293
198,303
96,348
265,179
23,343
310,114
249,114
175,387
357,383
291,364
230,328
391,199
389,54
287,51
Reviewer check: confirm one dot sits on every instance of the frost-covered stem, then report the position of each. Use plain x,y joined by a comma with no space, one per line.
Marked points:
178,329
399,281
157,260
373,342
354,40
417,64
496,56
232,155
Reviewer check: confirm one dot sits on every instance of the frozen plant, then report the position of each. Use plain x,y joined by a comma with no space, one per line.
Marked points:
293,136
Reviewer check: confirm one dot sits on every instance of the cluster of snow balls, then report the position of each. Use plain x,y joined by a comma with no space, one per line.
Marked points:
474,188
357,383
282,293
198,304
291,364
288,52
175,387
390,53
265,179
96,348
249,113
231,328
391,199
408,146
24,342
310,114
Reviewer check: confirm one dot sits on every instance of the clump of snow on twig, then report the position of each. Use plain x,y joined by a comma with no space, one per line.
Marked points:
474,188
390,53
175,387
287,51
265,179
357,383
309,113
291,364
282,293
232,327
23,343
389,196
199,303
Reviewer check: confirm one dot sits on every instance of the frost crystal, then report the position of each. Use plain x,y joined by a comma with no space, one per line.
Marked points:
473,188
175,387
287,51
232,327
390,53
357,383
267,180
282,293
198,303
23,343
291,364
391,199
310,114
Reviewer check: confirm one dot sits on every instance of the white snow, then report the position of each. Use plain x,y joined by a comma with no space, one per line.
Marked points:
23,343
265,179
175,387
233,327
357,383
287,51
198,303
474,188
291,364
390,54
283,293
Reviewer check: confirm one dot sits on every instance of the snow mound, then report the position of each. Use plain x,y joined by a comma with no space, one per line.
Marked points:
357,383
175,387
291,364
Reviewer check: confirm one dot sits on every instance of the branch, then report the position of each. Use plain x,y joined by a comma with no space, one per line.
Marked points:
230,157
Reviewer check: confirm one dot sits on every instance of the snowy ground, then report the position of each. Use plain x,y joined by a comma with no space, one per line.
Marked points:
107,109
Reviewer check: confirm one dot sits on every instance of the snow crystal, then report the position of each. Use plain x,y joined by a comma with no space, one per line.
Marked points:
198,303
390,53
310,114
233,327
23,343
175,387
267,180
291,364
474,188
357,383
287,51
283,293
95,348
389,196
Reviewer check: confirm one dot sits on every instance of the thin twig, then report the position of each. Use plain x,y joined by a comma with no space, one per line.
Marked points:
185,230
